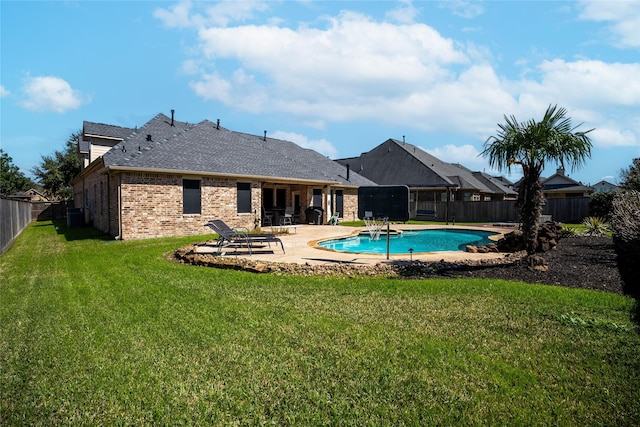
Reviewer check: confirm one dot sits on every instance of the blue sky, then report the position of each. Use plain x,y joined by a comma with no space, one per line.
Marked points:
338,77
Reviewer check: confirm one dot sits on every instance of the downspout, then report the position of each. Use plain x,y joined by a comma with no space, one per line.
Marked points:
119,207
108,203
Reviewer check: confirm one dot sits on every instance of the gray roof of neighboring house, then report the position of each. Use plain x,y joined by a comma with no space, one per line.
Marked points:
110,131
387,165
504,181
207,148
495,184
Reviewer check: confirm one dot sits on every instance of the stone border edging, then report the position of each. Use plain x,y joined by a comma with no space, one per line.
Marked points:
188,255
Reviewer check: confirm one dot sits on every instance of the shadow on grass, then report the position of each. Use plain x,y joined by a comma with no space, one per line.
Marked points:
78,233
630,274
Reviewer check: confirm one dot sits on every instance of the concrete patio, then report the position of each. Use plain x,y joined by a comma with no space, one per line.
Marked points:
300,246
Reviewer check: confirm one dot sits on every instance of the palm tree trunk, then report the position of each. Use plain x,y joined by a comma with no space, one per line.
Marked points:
530,200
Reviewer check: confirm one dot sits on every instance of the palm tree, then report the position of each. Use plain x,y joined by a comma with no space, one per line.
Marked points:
532,144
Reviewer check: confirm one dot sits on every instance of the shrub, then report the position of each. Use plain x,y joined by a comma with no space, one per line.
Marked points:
569,231
601,204
625,216
625,224
595,225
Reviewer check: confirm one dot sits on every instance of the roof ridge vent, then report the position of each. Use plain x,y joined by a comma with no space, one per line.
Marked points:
264,138
149,137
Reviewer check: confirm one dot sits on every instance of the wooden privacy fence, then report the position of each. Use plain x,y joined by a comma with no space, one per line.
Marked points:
15,215
572,210
563,210
44,211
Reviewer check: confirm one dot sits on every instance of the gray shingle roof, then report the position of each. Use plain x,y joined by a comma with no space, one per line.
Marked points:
493,183
101,129
386,165
207,148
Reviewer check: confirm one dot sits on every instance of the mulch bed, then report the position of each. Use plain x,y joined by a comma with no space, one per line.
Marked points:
577,262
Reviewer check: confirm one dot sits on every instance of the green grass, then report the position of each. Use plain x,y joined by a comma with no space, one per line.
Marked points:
101,332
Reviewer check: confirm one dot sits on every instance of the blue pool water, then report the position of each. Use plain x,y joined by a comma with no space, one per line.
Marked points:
419,240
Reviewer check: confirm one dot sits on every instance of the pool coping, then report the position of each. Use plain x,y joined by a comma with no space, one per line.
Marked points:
301,247
316,243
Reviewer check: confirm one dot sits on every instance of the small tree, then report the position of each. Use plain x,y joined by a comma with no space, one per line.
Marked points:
631,176
12,179
600,204
55,172
531,145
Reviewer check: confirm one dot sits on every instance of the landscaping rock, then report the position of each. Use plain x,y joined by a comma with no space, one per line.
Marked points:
581,262
548,236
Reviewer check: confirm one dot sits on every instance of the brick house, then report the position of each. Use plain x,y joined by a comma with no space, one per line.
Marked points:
167,178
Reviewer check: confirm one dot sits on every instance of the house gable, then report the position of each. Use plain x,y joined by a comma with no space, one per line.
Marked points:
381,166
559,185
604,187
99,138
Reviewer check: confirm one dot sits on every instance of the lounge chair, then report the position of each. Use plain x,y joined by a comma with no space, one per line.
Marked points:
240,237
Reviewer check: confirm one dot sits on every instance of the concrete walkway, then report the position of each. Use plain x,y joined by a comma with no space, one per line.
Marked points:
300,246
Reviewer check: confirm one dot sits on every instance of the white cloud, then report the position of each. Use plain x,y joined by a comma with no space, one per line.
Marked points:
405,13
592,82
50,94
622,16
600,95
464,9
4,92
609,137
350,67
354,69
322,146
466,155
182,15
179,16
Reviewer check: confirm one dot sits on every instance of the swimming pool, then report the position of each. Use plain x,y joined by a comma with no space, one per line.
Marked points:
436,240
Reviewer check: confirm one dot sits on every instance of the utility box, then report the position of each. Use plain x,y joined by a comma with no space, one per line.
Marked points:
75,217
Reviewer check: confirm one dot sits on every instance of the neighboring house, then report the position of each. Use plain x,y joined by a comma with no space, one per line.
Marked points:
604,187
430,180
505,182
560,186
168,178
499,185
31,195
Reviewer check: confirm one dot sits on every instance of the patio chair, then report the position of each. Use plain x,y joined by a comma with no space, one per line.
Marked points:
240,236
335,219
287,219
267,217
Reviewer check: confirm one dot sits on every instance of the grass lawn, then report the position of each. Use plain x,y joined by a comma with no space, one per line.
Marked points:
95,331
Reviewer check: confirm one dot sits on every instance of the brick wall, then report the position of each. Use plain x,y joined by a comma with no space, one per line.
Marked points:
152,205
147,205
350,202
93,195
